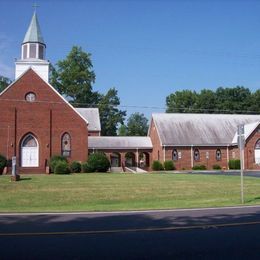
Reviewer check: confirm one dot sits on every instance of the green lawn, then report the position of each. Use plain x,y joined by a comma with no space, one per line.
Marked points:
105,192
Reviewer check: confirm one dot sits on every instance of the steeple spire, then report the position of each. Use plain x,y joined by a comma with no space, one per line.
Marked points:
33,51
33,33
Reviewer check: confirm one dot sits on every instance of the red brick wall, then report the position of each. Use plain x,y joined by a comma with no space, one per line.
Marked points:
157,148
47,119
250,150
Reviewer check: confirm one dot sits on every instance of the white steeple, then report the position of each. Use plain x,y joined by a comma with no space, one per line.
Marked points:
33,52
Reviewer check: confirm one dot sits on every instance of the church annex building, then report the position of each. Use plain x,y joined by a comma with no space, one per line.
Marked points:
36,122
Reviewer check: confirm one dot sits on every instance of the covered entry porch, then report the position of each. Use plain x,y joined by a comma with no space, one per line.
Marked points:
125,153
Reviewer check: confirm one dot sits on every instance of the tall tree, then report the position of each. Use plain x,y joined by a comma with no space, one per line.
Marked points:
137,125
74,77
110,114
4,82
233,100
206,101
184,101
122,130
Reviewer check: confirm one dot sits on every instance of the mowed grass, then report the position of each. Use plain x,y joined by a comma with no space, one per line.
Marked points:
112,191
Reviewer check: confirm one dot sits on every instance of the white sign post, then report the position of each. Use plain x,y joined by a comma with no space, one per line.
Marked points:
241,145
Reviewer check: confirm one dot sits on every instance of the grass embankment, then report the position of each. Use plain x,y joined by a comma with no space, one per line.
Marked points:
105,192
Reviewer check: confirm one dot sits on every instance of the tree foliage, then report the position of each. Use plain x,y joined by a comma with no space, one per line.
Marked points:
110,114
4,83
224,100
137,125
74,77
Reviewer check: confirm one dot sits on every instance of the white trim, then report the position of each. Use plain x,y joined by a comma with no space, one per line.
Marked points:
49,86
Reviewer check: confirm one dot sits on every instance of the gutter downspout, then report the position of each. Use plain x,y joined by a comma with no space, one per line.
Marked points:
164,153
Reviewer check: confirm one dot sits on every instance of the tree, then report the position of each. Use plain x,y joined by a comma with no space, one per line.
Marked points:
110,115
255,102
122,130
74,77
184,101
206,101
4,83
137,125
233,100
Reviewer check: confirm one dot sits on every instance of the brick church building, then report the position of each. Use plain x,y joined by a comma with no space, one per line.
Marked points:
36,122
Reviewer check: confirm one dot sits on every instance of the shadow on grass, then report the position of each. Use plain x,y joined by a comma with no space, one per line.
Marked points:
253,200
25,179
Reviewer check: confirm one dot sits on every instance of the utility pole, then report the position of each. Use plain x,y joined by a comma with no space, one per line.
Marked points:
241,145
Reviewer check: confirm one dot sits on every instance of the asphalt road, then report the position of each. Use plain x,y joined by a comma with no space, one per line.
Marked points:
227,233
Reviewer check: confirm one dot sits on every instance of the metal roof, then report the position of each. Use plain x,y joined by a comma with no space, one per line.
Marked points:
199,129
33,33
120,142
92,116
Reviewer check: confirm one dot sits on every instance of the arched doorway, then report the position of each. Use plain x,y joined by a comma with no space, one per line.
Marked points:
29,151
257,152
130,159
115,160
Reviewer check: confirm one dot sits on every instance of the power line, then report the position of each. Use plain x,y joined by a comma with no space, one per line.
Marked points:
175,109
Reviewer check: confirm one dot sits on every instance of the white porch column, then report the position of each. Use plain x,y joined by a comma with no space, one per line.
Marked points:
137,157
164,153
227,158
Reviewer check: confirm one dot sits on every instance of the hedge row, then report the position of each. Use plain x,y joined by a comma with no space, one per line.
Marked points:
97,162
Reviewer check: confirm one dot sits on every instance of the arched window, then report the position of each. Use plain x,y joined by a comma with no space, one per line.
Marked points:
196,155
66,145
218,155
257,152
175,155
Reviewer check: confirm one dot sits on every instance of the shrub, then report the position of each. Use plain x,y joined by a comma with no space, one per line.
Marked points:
61,167
85,167
216,167
3,162
234,164
98,162
55,159
199,167
157,166
169,165
75,167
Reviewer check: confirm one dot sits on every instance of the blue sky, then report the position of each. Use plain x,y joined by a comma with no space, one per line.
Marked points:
146,49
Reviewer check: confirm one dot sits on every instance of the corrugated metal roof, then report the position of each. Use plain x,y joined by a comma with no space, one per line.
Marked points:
248,128
92,116
119,142
33,33
199,129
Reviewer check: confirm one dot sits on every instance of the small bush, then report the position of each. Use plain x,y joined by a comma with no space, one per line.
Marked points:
55,159
216,167
3,162
199,167
85,167
98,162
61,167
75,167
169,165
234,164
157,166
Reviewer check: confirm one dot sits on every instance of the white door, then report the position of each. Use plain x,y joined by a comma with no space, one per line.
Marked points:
30,152
257,156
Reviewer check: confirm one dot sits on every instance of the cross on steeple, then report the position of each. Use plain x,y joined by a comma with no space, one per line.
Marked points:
35,5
